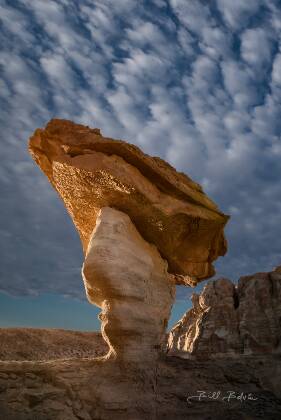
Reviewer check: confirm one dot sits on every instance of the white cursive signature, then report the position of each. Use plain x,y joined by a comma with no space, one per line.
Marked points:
218,395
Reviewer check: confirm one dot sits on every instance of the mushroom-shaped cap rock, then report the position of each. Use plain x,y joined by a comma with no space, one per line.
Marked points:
170,210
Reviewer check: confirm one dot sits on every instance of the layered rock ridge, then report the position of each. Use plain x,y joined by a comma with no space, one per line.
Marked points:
228,319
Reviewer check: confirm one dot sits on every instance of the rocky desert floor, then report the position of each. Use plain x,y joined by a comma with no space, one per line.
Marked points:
55,375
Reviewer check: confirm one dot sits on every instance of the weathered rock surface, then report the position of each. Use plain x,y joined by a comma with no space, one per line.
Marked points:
49,344
169,210
127,278
228,319
93,390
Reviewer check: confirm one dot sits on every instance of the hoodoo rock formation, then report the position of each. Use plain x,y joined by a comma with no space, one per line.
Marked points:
232,320
144,227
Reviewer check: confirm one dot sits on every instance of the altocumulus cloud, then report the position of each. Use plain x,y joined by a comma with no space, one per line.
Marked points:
195,82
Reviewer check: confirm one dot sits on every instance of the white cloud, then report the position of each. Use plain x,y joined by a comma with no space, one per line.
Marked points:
145,33
194,15
237,13
240,83
126,111
237,122
186,42
275,15
256,48
266,120
216,42
57,70
14,22
276,70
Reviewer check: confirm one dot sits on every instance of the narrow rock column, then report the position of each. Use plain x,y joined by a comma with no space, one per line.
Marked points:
127,278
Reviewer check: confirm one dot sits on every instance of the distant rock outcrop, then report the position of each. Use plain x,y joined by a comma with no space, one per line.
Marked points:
227,319
49,344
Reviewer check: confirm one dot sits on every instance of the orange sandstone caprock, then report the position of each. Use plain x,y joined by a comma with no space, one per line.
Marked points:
169,210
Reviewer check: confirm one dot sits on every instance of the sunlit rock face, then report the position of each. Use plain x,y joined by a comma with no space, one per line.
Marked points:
228,319
144,227
127,278
169,210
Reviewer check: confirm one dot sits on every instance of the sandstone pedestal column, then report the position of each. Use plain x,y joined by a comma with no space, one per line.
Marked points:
144,227
127,278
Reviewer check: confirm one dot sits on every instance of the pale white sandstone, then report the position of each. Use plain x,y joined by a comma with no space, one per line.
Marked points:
127,278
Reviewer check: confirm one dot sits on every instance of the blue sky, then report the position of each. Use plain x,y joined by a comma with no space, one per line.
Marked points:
195,82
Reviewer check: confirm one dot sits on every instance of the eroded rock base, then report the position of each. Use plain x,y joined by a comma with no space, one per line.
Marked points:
94,390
